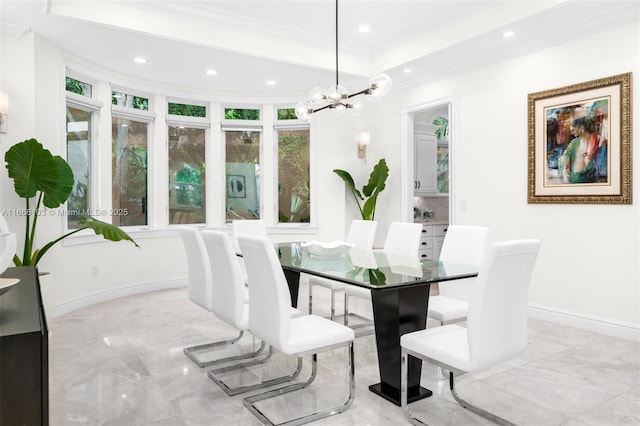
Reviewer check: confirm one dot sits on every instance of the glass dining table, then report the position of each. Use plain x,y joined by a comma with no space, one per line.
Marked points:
399,295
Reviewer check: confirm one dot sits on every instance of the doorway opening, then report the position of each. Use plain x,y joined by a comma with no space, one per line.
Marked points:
430,187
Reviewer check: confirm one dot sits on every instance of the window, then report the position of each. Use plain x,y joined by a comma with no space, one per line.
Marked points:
241,114
128,100
294,204
186,175
187,110
129,171
79,159
193,160
242,188
78,87
79,124
287,114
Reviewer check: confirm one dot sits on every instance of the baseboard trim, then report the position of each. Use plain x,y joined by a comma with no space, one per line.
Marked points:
116,293
608,327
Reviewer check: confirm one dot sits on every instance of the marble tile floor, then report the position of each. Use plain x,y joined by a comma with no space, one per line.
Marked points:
121,363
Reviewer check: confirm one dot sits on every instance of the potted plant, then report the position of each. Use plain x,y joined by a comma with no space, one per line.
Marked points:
370,191
38,174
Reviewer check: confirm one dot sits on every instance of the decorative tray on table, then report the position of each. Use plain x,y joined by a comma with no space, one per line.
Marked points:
327,248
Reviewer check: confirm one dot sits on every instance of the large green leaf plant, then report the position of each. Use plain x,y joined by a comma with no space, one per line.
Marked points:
370,192
38,174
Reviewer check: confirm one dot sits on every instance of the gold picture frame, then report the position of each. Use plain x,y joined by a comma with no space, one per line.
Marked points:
580,143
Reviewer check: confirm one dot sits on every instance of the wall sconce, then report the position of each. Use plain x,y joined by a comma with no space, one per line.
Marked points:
4,110
363,141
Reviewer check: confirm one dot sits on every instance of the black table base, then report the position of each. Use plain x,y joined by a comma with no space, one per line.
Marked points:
393,395
397,311
293,280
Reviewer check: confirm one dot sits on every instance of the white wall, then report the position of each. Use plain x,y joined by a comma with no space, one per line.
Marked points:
588,265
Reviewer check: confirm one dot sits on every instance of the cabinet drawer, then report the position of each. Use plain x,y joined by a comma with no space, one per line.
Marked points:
427,231
439,230
426,243
425,254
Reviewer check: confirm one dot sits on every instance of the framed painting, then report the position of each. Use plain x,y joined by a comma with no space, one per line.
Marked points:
236,187
580,143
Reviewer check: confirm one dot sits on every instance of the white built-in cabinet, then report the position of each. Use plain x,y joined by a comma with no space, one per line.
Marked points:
431,241
425,166
431,162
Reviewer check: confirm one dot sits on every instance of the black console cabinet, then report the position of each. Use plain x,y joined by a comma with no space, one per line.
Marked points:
24,352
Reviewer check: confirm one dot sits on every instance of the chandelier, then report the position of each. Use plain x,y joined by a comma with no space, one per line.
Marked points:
337,97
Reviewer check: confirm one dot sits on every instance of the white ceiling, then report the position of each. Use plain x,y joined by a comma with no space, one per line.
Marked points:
293,42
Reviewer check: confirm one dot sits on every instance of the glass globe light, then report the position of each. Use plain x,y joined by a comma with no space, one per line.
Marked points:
317,95
337,93
379,85
356,107
340,108
304,110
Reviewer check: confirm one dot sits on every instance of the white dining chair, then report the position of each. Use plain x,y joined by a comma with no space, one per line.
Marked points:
361,234
223,295
255,227
230,305
272,322
403,239
466,245
496,323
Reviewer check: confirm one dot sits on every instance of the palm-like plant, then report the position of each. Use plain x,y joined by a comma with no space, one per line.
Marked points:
38,174
370,191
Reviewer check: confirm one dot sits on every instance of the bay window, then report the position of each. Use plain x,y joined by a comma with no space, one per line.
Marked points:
177,171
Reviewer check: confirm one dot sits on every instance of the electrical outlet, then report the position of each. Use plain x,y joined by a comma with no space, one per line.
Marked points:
94,270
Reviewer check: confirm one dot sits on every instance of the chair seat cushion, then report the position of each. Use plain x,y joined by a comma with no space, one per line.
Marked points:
445,308
448,344
311,333
326,282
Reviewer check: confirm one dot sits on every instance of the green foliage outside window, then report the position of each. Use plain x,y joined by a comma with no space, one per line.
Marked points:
293,177
287,114
187,110
77,86
241,114
129,101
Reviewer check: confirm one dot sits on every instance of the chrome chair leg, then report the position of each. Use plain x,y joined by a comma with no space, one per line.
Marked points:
463,403
356,328
190,352
250,401
404,391
479,411
214,375
332,316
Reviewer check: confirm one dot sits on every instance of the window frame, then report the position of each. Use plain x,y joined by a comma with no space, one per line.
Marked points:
203,123
147,117
94,107
294,125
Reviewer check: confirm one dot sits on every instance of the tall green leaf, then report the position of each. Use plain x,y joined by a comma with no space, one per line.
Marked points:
371,190
37,173
108,231
34,169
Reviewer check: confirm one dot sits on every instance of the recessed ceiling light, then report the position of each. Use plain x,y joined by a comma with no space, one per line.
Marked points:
270,82
211,72
140,60
508,34
364,28
406,70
